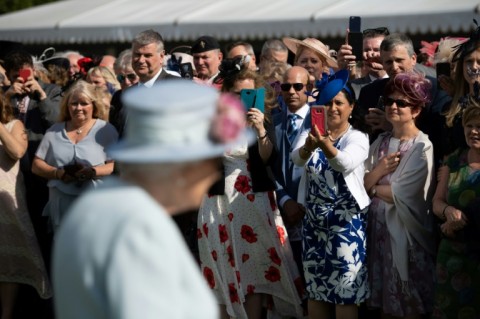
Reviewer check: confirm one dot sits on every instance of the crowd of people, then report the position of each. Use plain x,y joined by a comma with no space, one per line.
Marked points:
347,189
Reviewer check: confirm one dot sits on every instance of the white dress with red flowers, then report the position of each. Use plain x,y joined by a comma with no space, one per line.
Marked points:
243,244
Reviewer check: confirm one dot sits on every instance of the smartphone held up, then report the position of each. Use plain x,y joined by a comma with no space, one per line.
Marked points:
253,98
24,74
355,37
319,118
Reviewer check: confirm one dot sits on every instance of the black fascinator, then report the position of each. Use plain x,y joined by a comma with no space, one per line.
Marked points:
468,46
230,67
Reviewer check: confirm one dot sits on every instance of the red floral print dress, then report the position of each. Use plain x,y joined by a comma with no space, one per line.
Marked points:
244,247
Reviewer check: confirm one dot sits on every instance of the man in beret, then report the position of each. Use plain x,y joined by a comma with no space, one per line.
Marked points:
206,58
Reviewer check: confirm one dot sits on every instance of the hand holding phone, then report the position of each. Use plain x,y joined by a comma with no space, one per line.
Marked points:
319,118
186,70
355,37
24,74
253,98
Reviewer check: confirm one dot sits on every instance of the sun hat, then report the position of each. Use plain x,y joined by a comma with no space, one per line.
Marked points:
179,121
335,83
312,44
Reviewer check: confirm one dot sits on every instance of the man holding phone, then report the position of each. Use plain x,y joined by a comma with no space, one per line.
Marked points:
372,38
288,125
398,56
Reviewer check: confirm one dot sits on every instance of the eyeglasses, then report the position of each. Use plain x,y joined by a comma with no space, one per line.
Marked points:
296,86
399,102
130,76
376,31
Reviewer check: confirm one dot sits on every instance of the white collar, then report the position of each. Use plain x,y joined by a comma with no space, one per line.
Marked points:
150,82
302,112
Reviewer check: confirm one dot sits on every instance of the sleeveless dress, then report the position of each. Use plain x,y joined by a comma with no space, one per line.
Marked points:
20,257
457,293
243,244
334,242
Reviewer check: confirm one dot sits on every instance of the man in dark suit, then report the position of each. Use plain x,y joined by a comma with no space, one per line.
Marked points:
287,175
397,55
148,54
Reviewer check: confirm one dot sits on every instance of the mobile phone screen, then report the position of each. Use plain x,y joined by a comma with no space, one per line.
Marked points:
253,98
442,68
186,70
24,74
319,118
355,40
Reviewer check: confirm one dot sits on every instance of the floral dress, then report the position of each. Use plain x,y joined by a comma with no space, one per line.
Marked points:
457,292
334,242
243,244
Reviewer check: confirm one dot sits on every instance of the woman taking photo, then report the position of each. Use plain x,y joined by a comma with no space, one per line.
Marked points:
21,259
399,179
332,191
72,154
244,252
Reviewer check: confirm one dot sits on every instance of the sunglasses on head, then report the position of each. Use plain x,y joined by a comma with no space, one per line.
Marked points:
296,86
130,76
399,102
376,31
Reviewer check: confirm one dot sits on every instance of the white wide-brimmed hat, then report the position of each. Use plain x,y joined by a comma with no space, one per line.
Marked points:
312,44
172,122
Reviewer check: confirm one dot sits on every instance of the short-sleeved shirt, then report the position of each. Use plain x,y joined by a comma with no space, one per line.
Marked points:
57,150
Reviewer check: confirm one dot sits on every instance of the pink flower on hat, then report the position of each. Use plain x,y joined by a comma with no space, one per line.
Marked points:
229,121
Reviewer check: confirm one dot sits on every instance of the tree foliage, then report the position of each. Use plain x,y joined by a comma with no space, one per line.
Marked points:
7,6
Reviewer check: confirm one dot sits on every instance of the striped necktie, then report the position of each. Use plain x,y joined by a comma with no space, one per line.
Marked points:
292,128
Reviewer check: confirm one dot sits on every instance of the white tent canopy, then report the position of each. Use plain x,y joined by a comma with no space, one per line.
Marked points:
103,21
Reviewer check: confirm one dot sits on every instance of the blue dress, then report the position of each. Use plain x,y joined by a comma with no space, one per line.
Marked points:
334,243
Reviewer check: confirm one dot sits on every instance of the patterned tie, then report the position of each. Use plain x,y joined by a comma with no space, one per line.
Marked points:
22,109
292,128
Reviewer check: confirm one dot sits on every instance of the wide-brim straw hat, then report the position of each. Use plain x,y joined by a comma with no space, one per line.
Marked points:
312,44
171,122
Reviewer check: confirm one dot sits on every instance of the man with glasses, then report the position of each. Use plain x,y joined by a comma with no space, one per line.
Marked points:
372,38
243,49
288,125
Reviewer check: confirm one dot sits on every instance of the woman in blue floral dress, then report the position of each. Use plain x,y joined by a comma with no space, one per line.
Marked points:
334,244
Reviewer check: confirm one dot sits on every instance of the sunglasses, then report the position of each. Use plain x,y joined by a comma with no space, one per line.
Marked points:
399,102
376,31
130,76
296,86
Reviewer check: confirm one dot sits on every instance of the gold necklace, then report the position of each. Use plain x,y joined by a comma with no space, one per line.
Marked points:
80,129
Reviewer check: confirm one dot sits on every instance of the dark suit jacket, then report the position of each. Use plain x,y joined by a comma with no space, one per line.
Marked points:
287,179
430,121
117,114
39,117
358,84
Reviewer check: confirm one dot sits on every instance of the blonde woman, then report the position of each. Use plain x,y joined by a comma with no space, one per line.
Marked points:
72,153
